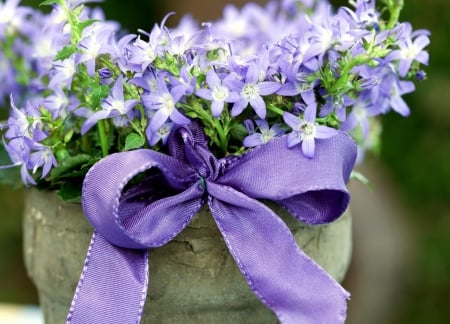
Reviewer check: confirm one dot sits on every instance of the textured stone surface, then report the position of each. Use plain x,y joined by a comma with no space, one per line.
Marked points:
193,279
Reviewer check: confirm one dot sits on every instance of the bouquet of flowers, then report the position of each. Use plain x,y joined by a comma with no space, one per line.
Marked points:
251,93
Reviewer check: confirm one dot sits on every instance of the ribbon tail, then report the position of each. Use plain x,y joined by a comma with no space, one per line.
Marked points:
107,288
283,277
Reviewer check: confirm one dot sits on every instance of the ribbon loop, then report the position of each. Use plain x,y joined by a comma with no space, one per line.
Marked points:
153,211
132,218
313,190
268,256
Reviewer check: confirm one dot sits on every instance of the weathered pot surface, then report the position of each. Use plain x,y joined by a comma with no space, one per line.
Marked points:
193,279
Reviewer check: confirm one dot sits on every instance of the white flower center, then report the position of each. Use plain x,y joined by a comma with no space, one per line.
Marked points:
360,111
267,135
164,130
327,38
167,103
307,129
149,54
250,91
153,85
92,48
394,91
6,13
302,87
61,101
58,15
66,67
220,93
410,52
118,105
347,38
43,48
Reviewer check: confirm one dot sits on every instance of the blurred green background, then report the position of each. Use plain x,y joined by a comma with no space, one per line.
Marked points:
415,153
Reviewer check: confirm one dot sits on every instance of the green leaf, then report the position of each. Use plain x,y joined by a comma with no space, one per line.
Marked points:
238,131
69,165
70,191
66,52
86,23
69,135
51,2
134,141
191,114
98,93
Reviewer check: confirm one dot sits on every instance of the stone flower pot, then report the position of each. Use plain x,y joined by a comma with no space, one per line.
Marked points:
193,279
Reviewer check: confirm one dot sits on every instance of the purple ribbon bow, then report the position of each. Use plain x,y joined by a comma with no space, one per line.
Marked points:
129,219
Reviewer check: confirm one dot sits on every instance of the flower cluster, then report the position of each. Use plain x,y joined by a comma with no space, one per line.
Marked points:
82,88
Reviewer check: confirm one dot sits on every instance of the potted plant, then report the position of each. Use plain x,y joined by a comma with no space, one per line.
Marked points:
198,135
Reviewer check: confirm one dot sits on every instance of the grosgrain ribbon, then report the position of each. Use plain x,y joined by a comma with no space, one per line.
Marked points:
129,218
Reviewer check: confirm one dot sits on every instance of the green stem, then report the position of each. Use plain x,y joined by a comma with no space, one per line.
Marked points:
275,109
103,138
345,73
137,129
222,139
222,136
395,8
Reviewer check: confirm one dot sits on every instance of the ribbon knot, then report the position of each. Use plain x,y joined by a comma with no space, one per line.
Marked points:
203,183
131,216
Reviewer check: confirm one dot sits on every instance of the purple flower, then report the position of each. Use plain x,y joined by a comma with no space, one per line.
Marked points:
336,104
96,41
251,90
64,72
11,14
305,130
185,83
41,157
245,29
421,75
296,82
265,134
297,51
164,102
7,79
117,49
160,135
147,81
187,28
331,36
218,93
393,95
19,153
45,45
410,50
113,106
7,10
365,14
106,76
105,73
142,53
24,122
56,103
359,116
383,88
